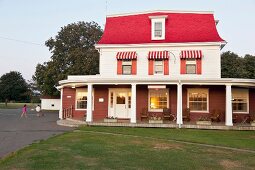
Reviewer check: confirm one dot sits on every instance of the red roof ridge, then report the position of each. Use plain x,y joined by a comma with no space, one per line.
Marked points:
160,11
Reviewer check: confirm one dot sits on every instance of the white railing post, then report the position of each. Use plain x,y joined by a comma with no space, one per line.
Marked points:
228,120
89,104
133,103
179,105
60,113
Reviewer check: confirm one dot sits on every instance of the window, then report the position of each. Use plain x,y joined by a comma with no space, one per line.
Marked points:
158,67
240,100
158,99
129,100
81,99
111,99
158,29
191,66
126,67
198,100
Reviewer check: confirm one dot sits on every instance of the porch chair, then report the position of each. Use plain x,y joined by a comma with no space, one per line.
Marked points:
167,115
246,119
186,114
144,114
215,115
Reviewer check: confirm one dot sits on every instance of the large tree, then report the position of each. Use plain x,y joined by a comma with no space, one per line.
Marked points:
73,53
13,87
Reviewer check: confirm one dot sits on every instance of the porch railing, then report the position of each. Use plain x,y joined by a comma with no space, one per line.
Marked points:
68,112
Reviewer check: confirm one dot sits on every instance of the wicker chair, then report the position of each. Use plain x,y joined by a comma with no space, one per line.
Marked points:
215,116
167,115
144,114
186,114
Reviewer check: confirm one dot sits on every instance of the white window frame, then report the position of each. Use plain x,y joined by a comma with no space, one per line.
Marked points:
83,90
154,20
238,92
191,62
198,90
154,67
166,90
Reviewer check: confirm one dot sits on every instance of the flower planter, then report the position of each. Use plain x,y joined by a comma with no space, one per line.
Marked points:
110,120
155,121
253,123
204,122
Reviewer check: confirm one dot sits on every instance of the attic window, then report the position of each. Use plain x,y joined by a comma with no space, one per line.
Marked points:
158,27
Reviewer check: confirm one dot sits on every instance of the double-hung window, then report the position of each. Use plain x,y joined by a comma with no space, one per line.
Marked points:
158,67
191,66
81,99
158,29
240,100
126,67
198,100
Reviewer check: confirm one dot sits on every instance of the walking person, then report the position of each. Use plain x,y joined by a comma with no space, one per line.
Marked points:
24,111
38,110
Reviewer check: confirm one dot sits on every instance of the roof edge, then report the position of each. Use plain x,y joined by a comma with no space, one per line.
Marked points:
161,11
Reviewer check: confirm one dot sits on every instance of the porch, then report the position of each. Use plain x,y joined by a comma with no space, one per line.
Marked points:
101,101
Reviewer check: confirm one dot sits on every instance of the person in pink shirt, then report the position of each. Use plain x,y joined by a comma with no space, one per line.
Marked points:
24,111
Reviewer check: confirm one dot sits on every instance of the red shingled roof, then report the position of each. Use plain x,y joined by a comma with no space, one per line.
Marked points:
180,27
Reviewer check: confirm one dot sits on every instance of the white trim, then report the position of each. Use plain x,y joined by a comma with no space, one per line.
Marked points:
236,91
160,11
158,16
60,114
154,67
197,90
186,44
157,110
163,28
228,114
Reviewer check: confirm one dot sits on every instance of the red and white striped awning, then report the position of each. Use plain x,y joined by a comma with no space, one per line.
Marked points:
128,55
191,54
158,55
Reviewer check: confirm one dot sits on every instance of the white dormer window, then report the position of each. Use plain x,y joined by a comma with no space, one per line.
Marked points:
158,27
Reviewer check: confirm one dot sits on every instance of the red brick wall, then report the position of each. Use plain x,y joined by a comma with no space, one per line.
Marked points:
68,102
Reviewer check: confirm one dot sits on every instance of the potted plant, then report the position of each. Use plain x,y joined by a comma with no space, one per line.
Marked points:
204,120
155,119
110,119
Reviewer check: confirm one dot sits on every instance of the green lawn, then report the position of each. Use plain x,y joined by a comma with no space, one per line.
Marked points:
17,105
136,148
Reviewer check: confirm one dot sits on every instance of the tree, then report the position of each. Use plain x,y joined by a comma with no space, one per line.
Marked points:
73,53
234,66
13,87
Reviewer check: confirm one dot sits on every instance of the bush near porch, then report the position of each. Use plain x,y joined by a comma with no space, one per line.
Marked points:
137,148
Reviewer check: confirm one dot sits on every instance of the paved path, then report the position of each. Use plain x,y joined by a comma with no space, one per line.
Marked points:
16,132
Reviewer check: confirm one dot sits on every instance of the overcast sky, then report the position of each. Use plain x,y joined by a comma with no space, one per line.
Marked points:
25,25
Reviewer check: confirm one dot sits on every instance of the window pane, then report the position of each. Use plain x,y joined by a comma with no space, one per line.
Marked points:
126,69
81,100
198,101
158,99
158,29
190,69
81,104
121,100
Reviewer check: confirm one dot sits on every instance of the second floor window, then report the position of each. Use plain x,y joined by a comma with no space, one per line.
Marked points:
191,66
126,67
158,67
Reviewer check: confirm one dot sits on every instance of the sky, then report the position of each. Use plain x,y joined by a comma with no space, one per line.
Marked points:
25,25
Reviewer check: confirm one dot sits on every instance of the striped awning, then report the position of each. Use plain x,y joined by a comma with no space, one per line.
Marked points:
191,54
158,55
128,55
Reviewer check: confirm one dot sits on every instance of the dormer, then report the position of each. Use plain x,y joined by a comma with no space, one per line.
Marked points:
158,27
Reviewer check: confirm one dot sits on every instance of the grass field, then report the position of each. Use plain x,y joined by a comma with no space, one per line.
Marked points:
138,148
17,105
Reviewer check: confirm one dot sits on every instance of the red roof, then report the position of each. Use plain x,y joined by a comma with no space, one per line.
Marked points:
180,27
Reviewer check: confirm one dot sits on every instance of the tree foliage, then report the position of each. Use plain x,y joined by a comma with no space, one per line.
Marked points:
13,87
73,53
234,66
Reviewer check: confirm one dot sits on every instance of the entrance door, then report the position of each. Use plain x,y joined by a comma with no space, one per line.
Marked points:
121,110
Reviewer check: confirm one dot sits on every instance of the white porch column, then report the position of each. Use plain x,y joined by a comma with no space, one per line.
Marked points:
133,104
89,103
228,121
179,105
60,113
